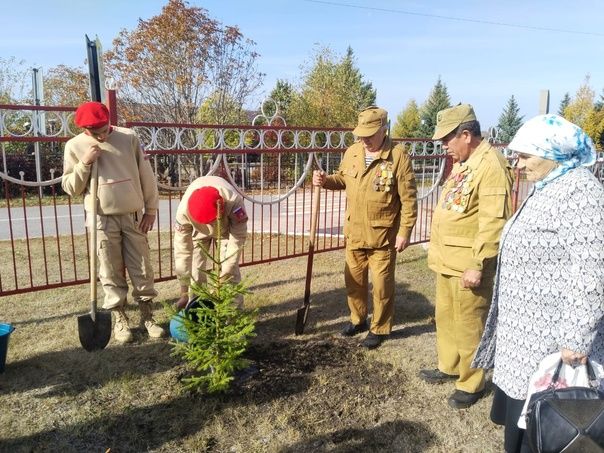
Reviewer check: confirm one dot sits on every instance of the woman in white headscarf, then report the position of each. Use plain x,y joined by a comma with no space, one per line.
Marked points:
549,289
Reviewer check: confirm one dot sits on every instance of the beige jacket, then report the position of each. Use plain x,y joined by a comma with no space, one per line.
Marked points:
125,178
233,225
381,199
474,205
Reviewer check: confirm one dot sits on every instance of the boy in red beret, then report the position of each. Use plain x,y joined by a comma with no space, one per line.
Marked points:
127,205
207,198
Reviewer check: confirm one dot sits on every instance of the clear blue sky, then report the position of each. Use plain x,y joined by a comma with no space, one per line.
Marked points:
484,50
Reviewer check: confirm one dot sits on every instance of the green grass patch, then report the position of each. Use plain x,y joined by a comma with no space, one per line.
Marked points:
316,392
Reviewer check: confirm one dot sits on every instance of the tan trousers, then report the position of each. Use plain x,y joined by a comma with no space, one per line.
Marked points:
230,265
460,317
381,263
120,244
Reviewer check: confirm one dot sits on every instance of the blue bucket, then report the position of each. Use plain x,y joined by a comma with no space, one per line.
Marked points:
177,327
5,331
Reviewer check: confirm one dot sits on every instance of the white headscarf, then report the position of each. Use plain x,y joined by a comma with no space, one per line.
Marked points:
554,138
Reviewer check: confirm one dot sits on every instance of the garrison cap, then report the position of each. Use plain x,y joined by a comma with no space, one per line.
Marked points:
448,119
204,205
370,121
91,115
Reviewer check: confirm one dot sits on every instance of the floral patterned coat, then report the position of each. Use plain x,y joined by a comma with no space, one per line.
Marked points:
549,287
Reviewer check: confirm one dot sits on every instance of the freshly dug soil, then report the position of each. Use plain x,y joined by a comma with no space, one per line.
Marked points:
333,387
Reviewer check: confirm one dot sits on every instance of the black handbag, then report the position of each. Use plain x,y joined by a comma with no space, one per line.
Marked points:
566,420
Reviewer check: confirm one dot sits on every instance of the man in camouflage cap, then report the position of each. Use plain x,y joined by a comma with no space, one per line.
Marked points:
475,203
380,215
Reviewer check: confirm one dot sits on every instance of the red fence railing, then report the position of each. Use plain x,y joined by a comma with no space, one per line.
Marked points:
42,237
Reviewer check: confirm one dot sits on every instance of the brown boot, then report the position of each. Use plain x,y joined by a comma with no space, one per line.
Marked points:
121,329
147,320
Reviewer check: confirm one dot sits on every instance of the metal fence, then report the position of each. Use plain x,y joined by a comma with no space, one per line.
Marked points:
42,237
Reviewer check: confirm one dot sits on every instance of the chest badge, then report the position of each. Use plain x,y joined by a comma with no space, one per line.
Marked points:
384,176
457,190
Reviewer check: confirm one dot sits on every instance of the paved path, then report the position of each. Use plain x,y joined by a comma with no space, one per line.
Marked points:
30,221
292,217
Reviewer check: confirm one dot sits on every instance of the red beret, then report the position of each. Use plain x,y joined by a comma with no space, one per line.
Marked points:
203,204
92,115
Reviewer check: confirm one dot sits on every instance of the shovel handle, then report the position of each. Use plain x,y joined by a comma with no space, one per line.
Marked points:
314,220
94,184
302,313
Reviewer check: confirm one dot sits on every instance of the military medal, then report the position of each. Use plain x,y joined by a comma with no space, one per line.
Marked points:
458,196
383,177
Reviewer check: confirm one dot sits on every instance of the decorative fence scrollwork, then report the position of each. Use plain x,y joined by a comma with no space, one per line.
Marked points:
42,237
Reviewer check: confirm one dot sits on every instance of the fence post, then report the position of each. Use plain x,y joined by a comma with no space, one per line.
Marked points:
112,106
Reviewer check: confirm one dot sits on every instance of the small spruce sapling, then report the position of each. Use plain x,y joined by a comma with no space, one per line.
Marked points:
218,332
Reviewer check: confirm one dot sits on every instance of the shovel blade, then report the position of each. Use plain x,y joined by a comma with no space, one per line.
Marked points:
94,335
301,316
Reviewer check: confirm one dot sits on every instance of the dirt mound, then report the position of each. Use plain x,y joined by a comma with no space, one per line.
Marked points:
335,374
333,383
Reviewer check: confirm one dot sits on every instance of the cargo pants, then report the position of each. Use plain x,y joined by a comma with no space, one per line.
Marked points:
122,246
381,264
229,256
460,317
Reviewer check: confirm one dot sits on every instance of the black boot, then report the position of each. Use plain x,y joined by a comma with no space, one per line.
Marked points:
351,329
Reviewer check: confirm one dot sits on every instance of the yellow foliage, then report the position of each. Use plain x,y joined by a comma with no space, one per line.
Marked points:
594,126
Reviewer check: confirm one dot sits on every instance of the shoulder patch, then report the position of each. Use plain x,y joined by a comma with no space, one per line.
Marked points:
240,215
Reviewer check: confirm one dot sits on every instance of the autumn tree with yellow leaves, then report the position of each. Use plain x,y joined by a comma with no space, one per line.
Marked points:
408,121
168,66
586,113
66,85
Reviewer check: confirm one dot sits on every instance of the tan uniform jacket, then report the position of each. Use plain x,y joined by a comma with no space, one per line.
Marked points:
126,183
381,199
233,225
475,203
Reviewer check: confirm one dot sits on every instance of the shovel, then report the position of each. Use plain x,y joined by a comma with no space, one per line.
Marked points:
95,327
302,312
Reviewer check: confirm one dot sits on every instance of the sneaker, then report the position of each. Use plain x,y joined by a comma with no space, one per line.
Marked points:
351,329
121,329
147,320
373,340
436,376
462,400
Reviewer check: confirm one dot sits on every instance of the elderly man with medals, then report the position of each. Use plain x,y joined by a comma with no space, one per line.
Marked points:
380,215
475,203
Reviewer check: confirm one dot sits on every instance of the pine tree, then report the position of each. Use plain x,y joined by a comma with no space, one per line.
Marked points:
564,103
509,121
407,122
437,101
362,93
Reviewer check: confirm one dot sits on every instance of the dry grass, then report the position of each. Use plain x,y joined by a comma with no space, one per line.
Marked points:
316,392
63,260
